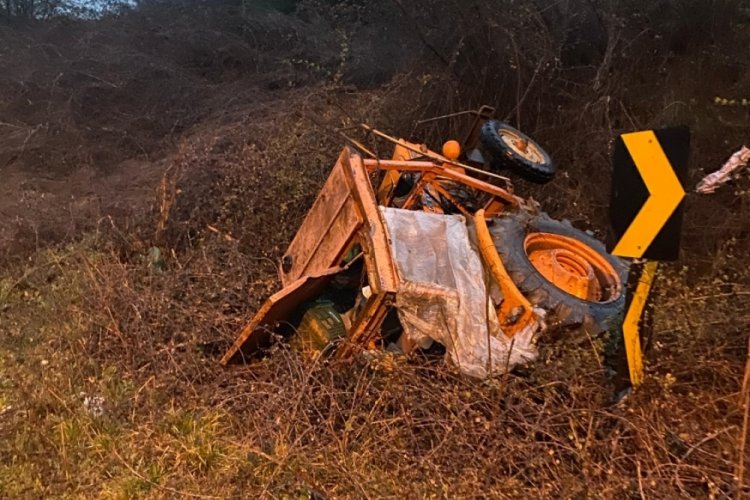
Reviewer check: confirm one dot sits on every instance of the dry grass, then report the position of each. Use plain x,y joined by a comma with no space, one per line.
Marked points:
162,419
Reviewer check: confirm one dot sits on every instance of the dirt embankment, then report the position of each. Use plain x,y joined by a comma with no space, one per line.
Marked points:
205,133
91,112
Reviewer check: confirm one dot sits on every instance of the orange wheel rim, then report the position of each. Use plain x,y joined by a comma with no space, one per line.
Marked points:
521,146
573,267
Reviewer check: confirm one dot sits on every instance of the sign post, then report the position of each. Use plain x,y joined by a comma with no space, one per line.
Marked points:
649,172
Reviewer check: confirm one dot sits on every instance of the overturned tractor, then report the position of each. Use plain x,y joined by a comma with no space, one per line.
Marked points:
441,257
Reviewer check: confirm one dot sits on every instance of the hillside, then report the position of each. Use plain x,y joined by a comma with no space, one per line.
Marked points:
205,130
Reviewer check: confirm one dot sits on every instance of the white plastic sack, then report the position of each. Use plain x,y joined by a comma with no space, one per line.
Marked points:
444,296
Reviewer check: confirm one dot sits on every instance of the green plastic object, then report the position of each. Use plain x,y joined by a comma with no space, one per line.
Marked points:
321,324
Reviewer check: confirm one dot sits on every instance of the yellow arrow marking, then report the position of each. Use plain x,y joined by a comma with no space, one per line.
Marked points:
632,318
665,193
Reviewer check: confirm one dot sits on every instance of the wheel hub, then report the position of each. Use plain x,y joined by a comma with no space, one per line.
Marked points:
573,267
522,146
567,271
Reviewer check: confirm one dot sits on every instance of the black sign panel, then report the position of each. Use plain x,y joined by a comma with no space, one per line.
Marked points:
638,162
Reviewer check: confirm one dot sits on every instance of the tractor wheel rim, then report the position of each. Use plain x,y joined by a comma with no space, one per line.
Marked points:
573,267
522,146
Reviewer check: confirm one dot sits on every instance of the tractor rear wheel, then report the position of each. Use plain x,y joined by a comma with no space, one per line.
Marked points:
562,269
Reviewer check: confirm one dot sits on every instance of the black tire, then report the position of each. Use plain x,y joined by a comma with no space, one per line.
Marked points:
536,166
509,234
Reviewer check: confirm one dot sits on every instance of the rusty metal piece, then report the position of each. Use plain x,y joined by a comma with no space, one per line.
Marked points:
421,148
481,115
493,207
331,222
367,327
257,333
472,137
446,194
417,192
381,271
344,214
439,170
390,179
345,208
515,311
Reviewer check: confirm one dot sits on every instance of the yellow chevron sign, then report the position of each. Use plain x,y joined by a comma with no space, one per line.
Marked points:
630,325
665,193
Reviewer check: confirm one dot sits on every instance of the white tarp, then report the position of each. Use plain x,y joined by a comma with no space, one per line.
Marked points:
444,295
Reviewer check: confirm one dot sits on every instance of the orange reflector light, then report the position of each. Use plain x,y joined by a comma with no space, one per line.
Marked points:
451,150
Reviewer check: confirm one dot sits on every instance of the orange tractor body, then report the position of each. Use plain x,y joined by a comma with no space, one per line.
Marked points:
345,228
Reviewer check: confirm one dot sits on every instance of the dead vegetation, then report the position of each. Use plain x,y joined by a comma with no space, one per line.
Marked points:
109,383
